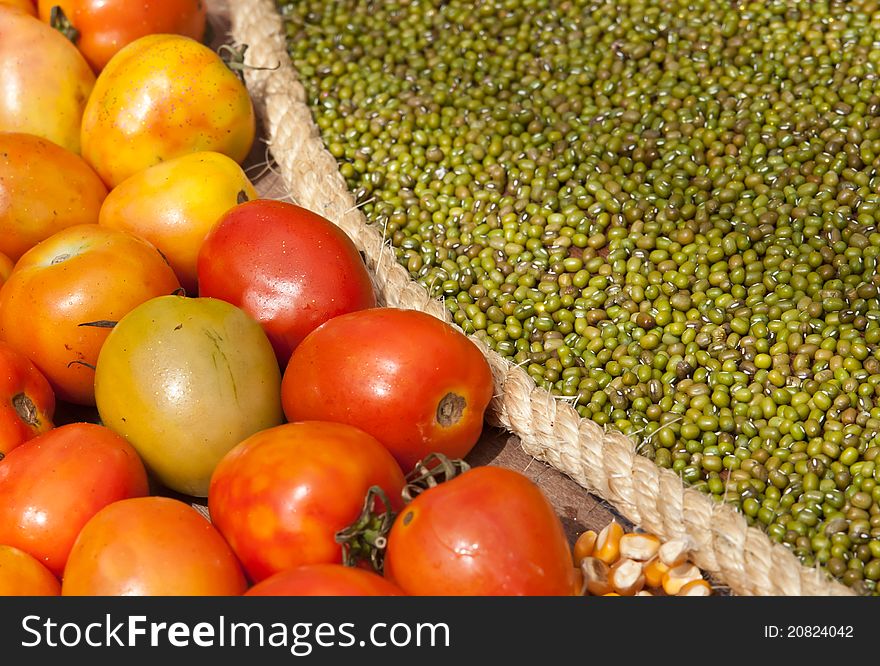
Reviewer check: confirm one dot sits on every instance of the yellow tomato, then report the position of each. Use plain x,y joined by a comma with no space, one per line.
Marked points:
44,188
44,80
160,97
184,380
174,204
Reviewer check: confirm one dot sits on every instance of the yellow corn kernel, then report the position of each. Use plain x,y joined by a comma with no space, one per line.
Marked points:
584,546
674,552
654,572
639,547
626,577
696,588
679,576
608,543
595,573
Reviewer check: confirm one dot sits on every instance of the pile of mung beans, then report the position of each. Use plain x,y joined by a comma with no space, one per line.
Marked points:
666,211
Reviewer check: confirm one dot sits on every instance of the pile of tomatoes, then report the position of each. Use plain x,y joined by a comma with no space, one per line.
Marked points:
231,347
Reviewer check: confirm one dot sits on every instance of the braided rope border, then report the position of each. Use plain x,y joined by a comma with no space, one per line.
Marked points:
603,462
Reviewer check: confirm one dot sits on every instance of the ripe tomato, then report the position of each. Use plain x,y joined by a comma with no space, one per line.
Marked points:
160,97
175,204
6,265
27,402
21,575
281,495
488,532
81,274
185,380
105,26
415,383
290,268
44,188
325,580
151,546
24,5
44,80
51,485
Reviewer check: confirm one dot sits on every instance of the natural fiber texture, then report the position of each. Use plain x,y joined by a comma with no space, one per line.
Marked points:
605,463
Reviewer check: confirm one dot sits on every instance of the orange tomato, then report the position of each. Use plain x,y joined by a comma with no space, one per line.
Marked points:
160,97
44,188
44,81
176,203
105,26
80,275
151,546
6,265
24,5
27,402
22,575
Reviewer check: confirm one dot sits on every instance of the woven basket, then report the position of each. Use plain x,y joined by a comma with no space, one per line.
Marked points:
603,462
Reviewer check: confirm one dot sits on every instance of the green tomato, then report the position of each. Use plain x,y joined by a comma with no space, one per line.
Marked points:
184,380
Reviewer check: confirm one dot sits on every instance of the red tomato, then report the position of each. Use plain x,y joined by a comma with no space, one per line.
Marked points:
51,485
415,383
151,546
82,274
280,496
105,26
488,532
21,575
325,580
44,81
286,266
44,188
27,402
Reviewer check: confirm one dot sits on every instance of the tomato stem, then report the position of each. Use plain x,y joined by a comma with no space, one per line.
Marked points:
234,59
366,538
432,470
58,20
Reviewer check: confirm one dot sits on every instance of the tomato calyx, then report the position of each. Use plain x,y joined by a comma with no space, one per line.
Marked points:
365,540
431,471
58,20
